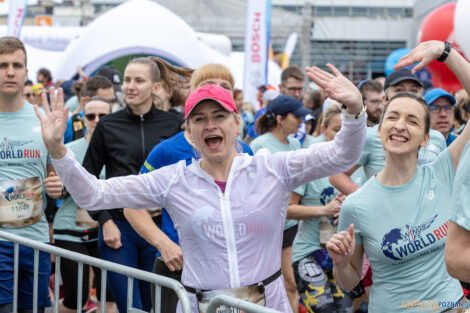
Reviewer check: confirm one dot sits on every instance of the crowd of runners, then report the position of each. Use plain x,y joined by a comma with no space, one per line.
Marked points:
326,195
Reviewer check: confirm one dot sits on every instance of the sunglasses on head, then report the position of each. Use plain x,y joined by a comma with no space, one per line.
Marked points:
92,116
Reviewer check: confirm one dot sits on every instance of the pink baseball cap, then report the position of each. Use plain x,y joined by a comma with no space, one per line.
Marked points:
209,92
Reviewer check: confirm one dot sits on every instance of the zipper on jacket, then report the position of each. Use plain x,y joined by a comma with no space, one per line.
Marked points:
143,138
229,231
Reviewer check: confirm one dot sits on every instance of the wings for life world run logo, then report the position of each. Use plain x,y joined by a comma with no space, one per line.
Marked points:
13,149
406,241
327,195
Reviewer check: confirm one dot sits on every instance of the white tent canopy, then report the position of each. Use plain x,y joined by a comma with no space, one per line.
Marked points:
135,27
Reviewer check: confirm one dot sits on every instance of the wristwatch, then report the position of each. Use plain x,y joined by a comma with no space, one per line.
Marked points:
351,116
445,53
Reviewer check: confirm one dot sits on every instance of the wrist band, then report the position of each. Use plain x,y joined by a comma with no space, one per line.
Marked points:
65,193
351,116
445,53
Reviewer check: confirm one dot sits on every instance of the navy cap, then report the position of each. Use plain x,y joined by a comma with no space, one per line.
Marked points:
400,75
283,104
67,87
433,94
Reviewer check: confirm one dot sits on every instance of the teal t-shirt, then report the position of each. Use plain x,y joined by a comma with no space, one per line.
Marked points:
373,155
436,144
72,103
316,193
65,217
22,156
461,193
309,140
403,232
268,141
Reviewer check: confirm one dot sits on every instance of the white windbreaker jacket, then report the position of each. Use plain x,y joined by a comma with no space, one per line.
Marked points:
229,239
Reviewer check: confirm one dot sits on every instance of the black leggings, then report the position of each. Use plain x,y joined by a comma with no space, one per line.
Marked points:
169,299
69,273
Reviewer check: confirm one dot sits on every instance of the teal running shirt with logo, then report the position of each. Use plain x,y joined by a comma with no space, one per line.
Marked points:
268,141
66,216
316,193
23,157
403,231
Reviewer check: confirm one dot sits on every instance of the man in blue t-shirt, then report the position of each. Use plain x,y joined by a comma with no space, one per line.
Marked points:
442,106
169,259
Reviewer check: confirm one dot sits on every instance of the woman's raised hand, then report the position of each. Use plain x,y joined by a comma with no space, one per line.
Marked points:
341,246
337,87
53,123
423,54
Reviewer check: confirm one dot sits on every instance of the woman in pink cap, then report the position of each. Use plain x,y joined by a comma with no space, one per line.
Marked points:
229,208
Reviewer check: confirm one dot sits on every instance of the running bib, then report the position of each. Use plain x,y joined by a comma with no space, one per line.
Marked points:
250,293
21,202
83,219
326,230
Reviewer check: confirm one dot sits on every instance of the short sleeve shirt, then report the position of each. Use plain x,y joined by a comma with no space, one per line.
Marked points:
316,193
268,141
461,193
403,232
65,217
23,155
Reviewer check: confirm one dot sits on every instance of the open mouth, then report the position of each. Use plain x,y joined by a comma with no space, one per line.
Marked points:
213,142
398,138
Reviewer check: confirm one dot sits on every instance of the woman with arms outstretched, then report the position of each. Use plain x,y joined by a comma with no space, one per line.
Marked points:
229,209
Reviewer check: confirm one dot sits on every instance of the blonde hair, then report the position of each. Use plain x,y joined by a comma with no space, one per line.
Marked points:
211,70
333,110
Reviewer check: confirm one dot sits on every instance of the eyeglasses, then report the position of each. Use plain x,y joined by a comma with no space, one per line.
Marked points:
295,89
438,108
28,95
92,116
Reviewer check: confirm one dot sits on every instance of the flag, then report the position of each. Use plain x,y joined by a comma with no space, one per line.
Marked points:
289,49
16,14
257,34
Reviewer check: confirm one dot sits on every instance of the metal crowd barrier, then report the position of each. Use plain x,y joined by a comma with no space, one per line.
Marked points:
246,306
106,266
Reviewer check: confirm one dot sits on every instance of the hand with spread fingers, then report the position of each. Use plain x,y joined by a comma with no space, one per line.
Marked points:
53,123
338,87
341,246
423,54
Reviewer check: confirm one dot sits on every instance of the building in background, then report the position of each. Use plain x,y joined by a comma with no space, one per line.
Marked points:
355,35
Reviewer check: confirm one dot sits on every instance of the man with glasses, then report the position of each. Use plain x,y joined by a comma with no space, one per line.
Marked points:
292,82
96,86
372,94
442,105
